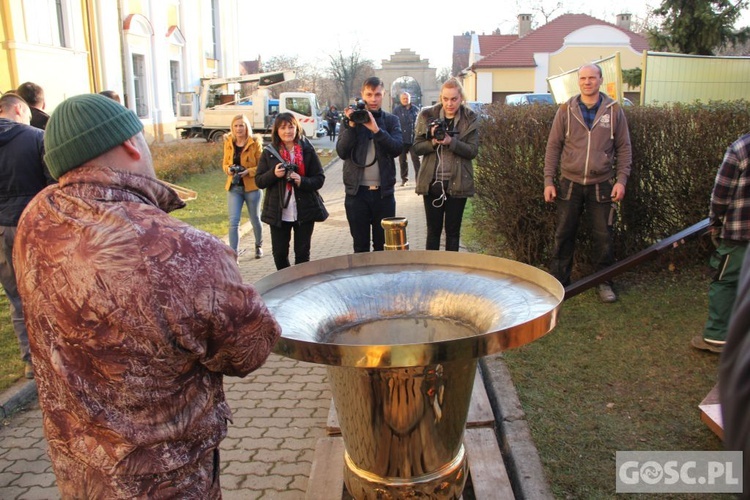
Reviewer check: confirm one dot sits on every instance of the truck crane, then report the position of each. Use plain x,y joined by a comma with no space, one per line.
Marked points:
208,112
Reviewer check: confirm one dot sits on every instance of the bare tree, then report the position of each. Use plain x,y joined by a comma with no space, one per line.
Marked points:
348,70
442,75
306,74
547,10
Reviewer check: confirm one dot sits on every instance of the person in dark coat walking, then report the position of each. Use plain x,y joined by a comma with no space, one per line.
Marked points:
332,118
407,114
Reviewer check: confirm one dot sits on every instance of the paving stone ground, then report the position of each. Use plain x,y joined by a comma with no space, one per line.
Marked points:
279,411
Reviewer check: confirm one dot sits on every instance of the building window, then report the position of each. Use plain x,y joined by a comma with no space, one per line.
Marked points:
139,85
45,22
214,47
174,82
60,21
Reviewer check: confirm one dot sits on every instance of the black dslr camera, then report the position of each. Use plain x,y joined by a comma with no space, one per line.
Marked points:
441,130
288,169
360,114
236,170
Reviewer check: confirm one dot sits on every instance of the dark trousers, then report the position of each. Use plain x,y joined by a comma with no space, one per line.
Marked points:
8,281
364,211
405,165
449,212
572,200
280,238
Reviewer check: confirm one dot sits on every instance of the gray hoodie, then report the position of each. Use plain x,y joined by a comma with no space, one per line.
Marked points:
588,156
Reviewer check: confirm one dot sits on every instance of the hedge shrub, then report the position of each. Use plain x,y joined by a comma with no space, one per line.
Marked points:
677,150
175,160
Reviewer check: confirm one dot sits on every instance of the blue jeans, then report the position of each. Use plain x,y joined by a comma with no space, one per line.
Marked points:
8,280
572,200
364,211
236,197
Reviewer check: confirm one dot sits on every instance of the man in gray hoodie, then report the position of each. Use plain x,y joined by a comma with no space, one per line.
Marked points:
590,143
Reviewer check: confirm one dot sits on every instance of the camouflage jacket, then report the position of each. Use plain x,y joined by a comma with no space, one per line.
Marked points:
133,318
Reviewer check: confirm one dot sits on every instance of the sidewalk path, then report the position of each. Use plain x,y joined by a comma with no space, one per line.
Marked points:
279,411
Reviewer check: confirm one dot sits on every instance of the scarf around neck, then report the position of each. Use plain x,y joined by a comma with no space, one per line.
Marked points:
298,160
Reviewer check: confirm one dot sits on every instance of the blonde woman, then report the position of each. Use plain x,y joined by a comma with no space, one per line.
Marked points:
241,154
447,139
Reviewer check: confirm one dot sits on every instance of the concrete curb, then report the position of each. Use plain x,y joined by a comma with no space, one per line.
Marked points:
524,464
17,396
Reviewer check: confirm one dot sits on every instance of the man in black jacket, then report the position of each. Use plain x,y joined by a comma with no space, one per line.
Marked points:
33,94
368,144
407,114
22,175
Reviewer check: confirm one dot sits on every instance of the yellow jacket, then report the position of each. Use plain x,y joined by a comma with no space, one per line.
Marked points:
248,159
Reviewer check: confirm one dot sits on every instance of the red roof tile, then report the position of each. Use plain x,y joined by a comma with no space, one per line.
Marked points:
546,38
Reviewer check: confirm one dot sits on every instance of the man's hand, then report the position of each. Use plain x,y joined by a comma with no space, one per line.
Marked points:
715,231
371,125
550,193
347,112
618,192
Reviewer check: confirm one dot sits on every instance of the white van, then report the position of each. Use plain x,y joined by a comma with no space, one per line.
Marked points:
522,99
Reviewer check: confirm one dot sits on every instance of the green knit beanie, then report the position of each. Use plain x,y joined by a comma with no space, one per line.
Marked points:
83,127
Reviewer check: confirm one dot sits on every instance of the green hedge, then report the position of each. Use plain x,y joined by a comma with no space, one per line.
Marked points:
175,160
676,152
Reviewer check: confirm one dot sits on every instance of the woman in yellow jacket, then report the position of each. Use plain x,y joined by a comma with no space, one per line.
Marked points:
241,154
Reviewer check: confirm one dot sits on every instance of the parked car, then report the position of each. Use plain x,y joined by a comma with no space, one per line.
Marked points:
479,108
476,106
522,99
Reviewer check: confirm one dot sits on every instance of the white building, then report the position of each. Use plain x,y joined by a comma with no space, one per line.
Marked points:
145,50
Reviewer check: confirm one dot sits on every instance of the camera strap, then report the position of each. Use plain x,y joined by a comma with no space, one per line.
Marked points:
273,151
374,158
443,197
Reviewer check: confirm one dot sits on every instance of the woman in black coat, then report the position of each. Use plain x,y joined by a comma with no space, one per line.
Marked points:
291,179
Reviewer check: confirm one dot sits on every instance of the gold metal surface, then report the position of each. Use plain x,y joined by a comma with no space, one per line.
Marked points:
395,233
415,308
403,428
401,333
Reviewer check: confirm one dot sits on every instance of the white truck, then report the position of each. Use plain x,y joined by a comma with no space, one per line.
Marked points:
209,113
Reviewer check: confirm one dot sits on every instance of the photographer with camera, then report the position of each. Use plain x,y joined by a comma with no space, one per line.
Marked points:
291,173
241,155
448,140
368,143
